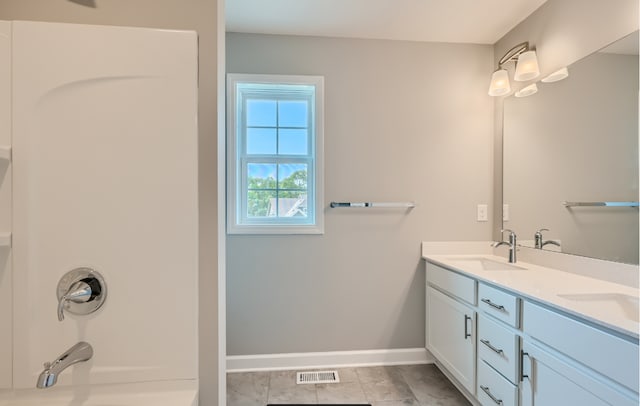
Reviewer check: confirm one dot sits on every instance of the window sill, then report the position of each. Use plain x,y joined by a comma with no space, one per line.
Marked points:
277,230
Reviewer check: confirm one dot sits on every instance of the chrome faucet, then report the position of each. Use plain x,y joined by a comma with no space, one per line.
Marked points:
539,241
78,353
511,243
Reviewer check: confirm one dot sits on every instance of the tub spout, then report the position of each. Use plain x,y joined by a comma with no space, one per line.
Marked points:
78,353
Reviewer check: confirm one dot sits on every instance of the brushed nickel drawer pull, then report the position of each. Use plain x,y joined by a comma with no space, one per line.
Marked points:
494,349
486,390
490,303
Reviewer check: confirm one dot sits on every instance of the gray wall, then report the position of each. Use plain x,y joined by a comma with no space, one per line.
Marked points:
563,31
404,121
577,140
201,16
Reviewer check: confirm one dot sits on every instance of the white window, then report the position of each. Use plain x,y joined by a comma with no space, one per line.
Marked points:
274,156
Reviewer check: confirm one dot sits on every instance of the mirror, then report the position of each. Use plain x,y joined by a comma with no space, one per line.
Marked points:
576,140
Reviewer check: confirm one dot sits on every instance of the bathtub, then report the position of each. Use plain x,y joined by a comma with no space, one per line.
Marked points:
167,393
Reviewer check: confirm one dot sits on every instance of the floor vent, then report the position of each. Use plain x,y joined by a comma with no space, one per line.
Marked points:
317,377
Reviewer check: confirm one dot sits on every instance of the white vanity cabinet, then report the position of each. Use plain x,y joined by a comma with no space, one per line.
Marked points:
451,321
510,349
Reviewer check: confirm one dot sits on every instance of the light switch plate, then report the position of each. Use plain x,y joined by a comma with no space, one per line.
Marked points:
483,212
505,212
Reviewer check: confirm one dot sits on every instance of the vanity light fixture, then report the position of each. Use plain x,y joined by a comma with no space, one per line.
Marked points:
560,74
527,90
526,69
499,83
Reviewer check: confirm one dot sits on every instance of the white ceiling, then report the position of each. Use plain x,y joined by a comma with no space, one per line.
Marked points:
464,21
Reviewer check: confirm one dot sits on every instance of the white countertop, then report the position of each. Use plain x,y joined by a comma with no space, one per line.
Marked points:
607,304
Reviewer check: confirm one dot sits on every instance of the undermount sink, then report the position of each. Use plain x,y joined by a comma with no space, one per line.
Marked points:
609,302
485,264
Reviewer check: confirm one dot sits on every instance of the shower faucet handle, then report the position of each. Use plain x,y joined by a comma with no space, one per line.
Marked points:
80,291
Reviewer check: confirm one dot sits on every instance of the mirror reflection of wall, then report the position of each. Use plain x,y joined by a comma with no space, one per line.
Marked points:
577,140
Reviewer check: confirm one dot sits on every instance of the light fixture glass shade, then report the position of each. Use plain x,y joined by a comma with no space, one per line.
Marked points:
527,67
499,83
560,74
527,90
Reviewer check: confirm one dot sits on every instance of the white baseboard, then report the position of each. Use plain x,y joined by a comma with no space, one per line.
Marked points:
333,359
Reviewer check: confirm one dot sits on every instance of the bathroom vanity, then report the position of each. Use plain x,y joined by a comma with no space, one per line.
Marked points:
524,334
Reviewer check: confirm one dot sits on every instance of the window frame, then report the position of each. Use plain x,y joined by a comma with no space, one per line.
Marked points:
237,188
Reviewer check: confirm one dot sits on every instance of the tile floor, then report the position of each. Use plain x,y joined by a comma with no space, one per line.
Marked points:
406,385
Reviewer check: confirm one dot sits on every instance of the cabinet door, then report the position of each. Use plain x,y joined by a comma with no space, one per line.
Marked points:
548,380
451,336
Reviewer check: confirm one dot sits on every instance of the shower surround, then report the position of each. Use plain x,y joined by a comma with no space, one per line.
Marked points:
98,163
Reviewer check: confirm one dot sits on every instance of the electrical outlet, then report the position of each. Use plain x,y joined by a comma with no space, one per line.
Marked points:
483,214
505,212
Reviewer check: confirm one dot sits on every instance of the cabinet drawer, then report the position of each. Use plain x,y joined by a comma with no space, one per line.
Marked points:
493,389
452,282
498,347
499,304
610,355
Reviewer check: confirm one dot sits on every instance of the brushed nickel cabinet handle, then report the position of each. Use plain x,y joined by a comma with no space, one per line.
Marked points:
495,306
466,330
491,347
522,355
486,390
